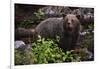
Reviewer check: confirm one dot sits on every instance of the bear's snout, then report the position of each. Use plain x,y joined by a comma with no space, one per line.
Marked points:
69,26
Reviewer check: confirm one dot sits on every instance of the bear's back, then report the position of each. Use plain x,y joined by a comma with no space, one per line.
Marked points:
50,27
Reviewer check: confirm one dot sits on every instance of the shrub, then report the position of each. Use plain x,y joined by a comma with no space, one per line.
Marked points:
39,16
23,57
24,24
47,51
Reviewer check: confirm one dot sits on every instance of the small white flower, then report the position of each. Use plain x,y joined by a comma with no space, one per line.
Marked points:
83,33
39,36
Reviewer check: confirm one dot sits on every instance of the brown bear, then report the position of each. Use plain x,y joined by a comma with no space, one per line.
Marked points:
67,27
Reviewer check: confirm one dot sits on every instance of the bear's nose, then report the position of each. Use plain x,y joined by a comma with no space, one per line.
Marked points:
68,23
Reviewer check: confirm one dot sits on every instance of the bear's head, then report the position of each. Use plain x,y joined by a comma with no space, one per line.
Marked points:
71,23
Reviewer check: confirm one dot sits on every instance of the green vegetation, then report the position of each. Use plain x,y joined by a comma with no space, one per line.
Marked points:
46,51
39,16
24,24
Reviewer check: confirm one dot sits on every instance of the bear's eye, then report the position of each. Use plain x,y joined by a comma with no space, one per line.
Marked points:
72,20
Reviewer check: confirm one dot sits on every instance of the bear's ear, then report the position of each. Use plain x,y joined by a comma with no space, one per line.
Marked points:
78,16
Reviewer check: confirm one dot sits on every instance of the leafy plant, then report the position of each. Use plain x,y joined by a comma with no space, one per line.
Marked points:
23,57
24,24
47,51
39,16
